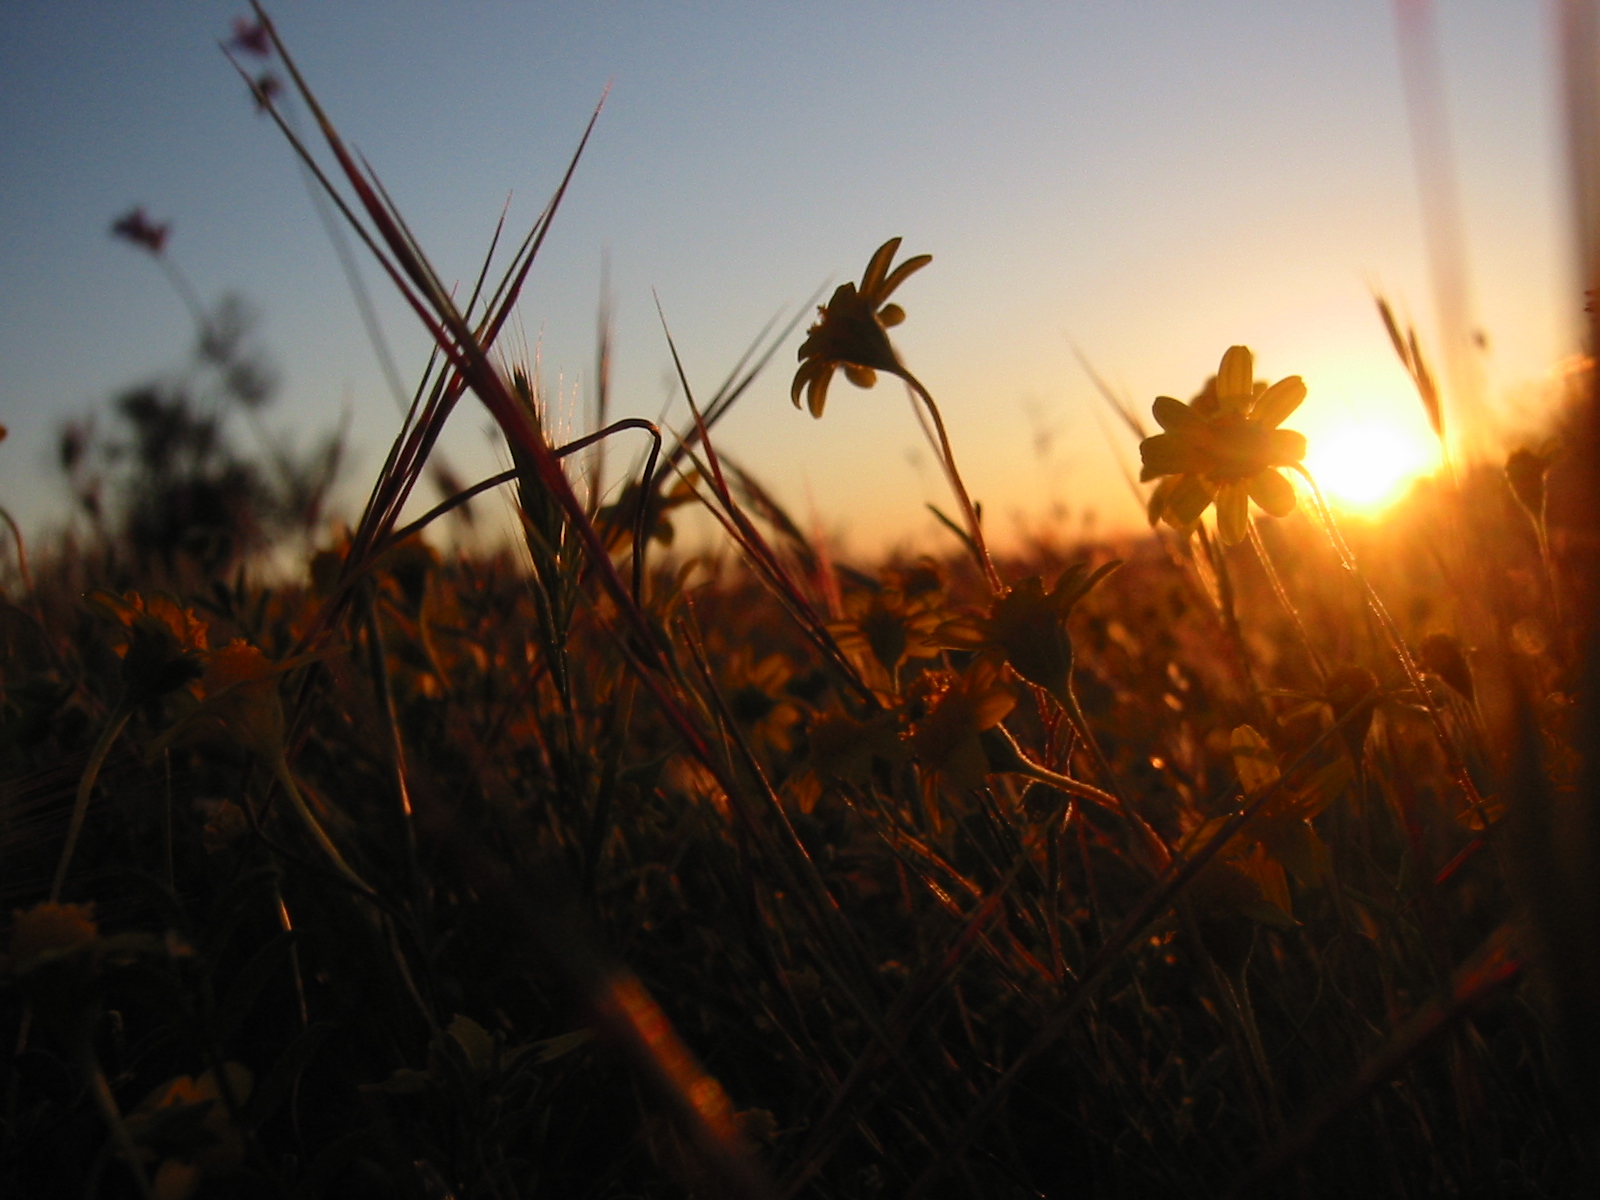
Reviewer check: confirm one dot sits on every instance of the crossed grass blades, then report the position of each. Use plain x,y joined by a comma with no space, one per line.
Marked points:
585,872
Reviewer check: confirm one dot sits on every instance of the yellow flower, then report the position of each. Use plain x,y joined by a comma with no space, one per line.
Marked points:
241,692
1224,445
166,642
889,626
183,1127
852,330
955,711
48,932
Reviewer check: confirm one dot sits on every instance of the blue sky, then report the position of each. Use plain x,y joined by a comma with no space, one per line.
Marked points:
1149,181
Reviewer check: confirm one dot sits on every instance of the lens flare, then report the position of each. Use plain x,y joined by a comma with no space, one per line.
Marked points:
1366,465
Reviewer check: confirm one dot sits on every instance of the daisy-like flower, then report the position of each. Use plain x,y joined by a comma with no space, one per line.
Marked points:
1224,445
852,330
166,643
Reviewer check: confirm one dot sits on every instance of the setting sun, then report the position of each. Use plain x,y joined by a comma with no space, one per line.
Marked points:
1367,464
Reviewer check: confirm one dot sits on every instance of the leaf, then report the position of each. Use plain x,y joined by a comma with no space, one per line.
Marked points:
1253,760
247,984
553,1048
406,1081
1297,846
280,1081
476,1042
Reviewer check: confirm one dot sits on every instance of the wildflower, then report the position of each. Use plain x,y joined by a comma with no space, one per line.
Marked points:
185,1130
137,228
889,625
1525,472
166,642
758,697
50,932
1224,445
843,748
1249,877
1028,628
266,88
946,740
251,37
852,330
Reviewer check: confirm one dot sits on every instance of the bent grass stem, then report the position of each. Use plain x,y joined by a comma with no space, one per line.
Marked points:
80,804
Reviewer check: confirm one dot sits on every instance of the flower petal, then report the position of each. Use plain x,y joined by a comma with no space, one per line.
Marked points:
806,374
817,394
878,266
1273,492
891,315
1188,500
1233,512
1285,447
862,377
1157,504
1168,454
1282,398
1236,379
900,274
1174,415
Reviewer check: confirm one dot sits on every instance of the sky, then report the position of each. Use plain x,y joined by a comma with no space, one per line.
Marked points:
1145,183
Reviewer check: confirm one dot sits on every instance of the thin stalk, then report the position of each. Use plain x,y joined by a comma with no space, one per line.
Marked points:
1456,765
1282,593
100,1089
954,476
1156,902
285,778
1160,856
80,805
380,681
1218,562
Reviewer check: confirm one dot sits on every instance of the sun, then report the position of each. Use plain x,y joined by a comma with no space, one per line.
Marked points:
1364,464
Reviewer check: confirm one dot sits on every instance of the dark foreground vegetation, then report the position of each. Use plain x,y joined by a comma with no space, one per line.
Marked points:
1265,863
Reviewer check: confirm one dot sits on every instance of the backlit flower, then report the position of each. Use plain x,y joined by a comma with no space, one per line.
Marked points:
166,643
852,330
1224,445
183,1129
1028,628
958,709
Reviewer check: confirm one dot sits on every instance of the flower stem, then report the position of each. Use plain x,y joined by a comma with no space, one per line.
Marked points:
80,805
954,476
100,1089
1456,765
1160,857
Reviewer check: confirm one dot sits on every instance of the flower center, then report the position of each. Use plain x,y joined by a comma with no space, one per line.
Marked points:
1239,447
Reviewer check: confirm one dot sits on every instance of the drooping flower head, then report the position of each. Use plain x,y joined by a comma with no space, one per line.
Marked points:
852,330
1225,445
135,227
1027,627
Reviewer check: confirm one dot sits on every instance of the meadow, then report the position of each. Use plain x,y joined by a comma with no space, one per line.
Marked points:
1254,855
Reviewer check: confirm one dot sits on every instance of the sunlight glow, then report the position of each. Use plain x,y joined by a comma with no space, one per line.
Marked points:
1367,464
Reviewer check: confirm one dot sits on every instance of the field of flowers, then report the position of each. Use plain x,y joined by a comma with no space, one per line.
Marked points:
1256,855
